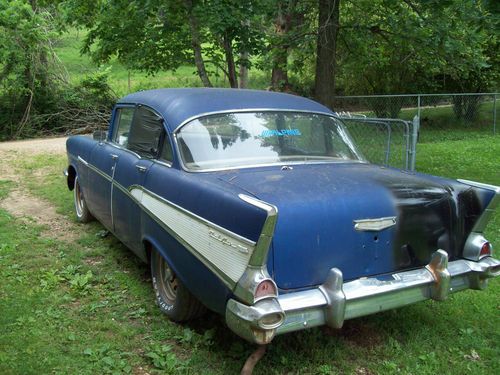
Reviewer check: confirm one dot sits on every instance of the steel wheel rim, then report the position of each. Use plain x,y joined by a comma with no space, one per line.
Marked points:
78,199
168,282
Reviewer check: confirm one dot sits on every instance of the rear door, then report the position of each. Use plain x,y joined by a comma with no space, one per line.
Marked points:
136,155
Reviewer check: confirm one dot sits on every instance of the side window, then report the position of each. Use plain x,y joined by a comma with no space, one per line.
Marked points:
145,132
166,150
123,120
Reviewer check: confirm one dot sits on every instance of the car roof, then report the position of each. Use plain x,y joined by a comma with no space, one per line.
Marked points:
177,106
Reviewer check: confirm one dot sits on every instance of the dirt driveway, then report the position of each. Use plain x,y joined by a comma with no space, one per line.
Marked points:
34,146
21,202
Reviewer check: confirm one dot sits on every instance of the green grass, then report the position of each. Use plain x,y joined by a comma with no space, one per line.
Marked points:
88,307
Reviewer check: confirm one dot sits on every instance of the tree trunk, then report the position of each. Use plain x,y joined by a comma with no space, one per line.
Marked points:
231,67
196,44
243,71
279,74
328,26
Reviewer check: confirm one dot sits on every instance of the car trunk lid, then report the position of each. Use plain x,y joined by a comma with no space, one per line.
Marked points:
319,205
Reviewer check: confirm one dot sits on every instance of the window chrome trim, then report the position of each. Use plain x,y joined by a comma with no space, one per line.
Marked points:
254,110
163,162
249,110
119,147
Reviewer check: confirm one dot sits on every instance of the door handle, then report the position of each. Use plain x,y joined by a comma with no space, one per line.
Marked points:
141,168
114,156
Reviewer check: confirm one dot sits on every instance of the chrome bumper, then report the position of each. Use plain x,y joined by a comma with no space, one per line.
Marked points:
335,301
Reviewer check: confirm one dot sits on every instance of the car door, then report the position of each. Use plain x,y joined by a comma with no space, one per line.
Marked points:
135,158
102,166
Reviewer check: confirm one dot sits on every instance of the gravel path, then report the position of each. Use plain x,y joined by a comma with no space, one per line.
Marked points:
36,146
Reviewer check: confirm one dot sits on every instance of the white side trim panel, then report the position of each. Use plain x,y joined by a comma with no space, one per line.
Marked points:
228,254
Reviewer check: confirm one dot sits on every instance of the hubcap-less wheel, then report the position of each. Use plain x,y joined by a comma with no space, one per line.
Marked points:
168,282
79,203
172,296
82,212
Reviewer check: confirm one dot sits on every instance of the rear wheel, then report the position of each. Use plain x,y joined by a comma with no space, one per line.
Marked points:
173,298
83,214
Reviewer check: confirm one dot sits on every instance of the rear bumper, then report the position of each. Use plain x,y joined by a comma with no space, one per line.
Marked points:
335,301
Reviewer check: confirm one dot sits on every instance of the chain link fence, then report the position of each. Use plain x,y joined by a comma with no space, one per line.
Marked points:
426,118
388,142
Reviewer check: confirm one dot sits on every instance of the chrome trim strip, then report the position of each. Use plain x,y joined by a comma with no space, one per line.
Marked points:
82,160
248,110
256,271
191,214
310,162
259,257
162,162
483,220
113,168
374,225
248,244
98,171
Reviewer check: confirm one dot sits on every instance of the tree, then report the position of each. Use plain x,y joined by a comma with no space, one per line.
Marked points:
326,55
147,35
411,45
26,76
234,34
154,35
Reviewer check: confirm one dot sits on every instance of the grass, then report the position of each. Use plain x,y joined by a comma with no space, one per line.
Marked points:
87,307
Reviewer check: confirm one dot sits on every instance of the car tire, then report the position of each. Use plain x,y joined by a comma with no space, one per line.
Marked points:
83,214
173,298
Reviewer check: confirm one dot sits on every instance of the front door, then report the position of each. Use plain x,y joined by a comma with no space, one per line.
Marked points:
102,163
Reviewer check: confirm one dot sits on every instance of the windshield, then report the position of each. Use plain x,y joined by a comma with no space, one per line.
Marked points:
235,140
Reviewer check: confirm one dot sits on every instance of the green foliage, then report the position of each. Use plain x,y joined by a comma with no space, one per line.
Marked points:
145,35
417,46
35,97
27,80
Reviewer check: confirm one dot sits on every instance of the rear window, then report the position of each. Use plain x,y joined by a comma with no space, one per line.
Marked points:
233,140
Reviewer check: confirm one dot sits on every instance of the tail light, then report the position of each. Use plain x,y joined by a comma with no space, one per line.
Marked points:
266,288
485,250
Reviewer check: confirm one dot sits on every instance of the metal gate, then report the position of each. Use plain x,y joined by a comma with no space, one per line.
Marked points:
388,142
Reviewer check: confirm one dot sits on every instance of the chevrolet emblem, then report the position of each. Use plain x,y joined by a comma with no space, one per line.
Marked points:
375,225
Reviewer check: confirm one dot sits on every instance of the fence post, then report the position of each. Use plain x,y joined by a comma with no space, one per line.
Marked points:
418,106
495,114
414,138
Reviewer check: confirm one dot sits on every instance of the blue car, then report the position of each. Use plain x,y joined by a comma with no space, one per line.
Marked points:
258,206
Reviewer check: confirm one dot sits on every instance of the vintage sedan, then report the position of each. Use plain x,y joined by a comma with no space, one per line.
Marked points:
258,206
